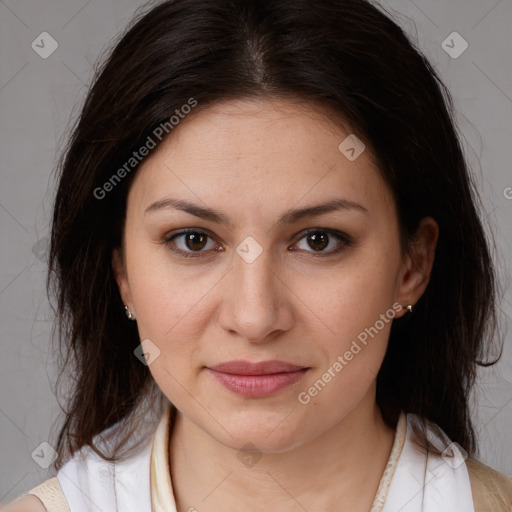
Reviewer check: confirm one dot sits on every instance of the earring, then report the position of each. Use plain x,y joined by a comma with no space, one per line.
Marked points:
129,313
409,308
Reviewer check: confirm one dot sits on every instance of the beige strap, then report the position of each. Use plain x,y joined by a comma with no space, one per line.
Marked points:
162,497
51,495
492,490
389,471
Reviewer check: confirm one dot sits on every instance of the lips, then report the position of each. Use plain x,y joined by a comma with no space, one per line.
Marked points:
257,380
262,368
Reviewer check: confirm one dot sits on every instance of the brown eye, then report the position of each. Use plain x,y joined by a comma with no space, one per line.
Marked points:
317,240
186,243
195,241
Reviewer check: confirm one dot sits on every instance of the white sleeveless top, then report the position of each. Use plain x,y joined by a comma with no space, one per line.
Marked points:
413,480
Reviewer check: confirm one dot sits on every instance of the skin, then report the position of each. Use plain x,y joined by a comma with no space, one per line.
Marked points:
24,504
252,161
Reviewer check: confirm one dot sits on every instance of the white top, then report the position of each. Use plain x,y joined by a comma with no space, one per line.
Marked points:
413,480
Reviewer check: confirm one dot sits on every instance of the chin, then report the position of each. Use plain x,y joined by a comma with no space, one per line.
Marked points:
272,434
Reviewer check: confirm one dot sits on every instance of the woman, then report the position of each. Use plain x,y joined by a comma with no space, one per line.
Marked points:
265,219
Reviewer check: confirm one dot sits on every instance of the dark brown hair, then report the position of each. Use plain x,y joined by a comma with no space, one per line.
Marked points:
345,55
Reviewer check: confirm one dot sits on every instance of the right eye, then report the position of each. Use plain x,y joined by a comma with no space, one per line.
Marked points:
191,243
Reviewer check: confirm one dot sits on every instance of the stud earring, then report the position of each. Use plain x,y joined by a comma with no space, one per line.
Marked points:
409,308
129,313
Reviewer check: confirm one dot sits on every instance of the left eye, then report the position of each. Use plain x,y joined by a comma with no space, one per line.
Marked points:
194,241
319,239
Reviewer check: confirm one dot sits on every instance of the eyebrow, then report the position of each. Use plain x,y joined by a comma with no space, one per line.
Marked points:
289,217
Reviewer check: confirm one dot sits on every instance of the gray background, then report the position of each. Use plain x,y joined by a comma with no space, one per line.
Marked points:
38,97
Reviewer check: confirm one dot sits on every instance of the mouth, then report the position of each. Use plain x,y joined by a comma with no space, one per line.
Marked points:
257,380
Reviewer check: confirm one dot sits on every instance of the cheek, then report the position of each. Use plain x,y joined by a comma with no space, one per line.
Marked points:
170,313
357,313
168,304
351,296
356,308
166,295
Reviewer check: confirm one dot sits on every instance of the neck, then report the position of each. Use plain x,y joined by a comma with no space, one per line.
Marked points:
339,470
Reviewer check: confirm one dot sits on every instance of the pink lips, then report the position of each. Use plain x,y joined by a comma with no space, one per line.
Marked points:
257,380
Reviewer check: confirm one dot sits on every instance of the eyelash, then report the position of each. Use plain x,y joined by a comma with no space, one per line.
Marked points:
345,240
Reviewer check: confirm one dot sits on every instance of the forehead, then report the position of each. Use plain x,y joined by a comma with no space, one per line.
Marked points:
259,152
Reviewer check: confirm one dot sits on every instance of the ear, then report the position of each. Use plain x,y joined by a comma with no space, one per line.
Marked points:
121,278
417,267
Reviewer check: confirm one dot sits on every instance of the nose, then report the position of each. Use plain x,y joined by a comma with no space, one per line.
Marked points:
256,300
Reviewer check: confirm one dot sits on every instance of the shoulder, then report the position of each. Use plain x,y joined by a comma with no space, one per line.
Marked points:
46,497
492,490
26,503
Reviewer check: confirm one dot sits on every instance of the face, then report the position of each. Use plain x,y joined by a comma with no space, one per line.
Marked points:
229,256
